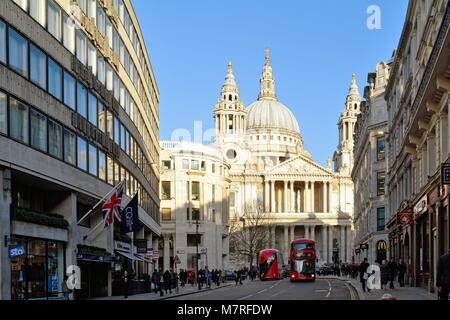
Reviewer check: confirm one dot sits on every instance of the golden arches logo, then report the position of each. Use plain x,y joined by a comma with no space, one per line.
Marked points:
381,245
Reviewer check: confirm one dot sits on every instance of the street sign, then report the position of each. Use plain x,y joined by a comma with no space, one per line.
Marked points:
445,174
141,245
155,254
176,260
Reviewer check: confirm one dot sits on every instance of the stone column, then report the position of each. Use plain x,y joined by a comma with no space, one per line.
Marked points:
324,243
324,195
273,235
313,205
166,252
349,243
306,197
272,195
285,197
342,245
286,242
298,201
313,233
292,200
330,243
306,231
266,196
329,190
156,248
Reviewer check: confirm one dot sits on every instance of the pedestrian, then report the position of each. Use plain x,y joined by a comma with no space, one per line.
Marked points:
65,288
175,281
238,275
363,275
154,283
443,276
384,273
167,280
208,277
401,272
159,283
392,273
125,283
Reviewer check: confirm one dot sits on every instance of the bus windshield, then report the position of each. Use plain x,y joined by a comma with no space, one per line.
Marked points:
302,246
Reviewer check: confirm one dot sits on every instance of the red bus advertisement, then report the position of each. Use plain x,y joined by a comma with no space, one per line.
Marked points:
302,259
270,264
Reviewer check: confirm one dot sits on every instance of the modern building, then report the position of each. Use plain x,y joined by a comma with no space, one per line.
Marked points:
418,141
194,207
78,115
369,170
274,176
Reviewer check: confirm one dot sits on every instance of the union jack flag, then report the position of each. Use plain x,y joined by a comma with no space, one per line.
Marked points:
111,208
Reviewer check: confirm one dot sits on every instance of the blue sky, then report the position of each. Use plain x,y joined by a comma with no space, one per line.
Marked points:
315,46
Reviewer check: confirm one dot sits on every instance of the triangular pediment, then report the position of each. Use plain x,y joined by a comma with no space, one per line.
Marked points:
299,165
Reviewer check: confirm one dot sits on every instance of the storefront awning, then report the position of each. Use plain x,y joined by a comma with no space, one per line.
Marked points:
144,258
126,254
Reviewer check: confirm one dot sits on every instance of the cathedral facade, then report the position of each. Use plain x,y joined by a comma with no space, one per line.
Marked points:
272,173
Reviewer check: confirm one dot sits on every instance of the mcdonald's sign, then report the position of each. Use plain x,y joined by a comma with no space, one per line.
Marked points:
381,245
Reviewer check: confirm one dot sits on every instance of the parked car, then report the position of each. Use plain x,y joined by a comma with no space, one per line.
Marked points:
230,276
325,270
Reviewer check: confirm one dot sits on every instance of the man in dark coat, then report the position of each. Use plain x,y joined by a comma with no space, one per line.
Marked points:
167,279
362,274
443,276
392,273
125,283
401,272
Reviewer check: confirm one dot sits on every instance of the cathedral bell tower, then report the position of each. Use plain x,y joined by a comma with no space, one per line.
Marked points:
343,157
229,112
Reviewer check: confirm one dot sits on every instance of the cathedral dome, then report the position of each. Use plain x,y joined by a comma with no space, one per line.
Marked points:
271,114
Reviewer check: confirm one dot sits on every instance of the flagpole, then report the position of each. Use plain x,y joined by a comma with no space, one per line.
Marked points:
101,200
132,250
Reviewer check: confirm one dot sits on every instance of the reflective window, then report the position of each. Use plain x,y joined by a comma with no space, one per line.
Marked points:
91,6
54,20
380,149
101,21
101,117
101,165
38,72
92,57
54,79
22,3
110,124
82,153
81,46
116,131
54,139
101,69
18,120
122,136
37,10
69,90
2,42
3,114
110,170
92,116
69,147
93,160
18,49
127,142
381,218
81,100
69,34
380,183
82,4
38,127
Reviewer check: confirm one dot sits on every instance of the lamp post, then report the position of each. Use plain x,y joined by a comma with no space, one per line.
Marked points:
196,259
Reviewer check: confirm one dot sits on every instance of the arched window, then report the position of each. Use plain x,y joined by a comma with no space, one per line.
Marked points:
230,97
356,106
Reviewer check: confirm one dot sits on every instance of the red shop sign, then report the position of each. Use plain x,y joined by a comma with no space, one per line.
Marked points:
404,218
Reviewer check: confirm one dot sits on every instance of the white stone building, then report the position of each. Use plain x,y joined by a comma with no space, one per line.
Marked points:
370,168
194,187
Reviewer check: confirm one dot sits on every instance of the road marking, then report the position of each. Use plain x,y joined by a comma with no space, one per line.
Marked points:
250,295
278,293
261,291
329,290
322,290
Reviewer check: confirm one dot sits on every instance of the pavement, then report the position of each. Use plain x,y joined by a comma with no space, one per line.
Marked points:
399,293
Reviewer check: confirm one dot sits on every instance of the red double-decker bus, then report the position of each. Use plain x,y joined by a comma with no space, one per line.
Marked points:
270,264
302,259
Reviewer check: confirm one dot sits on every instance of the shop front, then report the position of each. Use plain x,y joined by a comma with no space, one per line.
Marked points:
422,243
37,268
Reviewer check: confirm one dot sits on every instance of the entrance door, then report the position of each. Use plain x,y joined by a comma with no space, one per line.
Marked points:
94,280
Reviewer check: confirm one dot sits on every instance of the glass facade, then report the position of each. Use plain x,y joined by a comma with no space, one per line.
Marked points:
37,271
38,74
54,79
18,53
18,120
38,127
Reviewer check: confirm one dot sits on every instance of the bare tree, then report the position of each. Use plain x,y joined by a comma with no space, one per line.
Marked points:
248,234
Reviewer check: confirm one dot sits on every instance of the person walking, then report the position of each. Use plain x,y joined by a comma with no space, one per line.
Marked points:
392,273
401,272
159,283
238,275
175,282
363,275
167,280
208,277
384,270
443,276
125,283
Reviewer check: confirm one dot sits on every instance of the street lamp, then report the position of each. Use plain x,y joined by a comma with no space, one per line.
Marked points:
198,238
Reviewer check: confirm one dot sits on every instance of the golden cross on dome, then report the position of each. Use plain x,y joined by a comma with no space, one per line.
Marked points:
267,55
